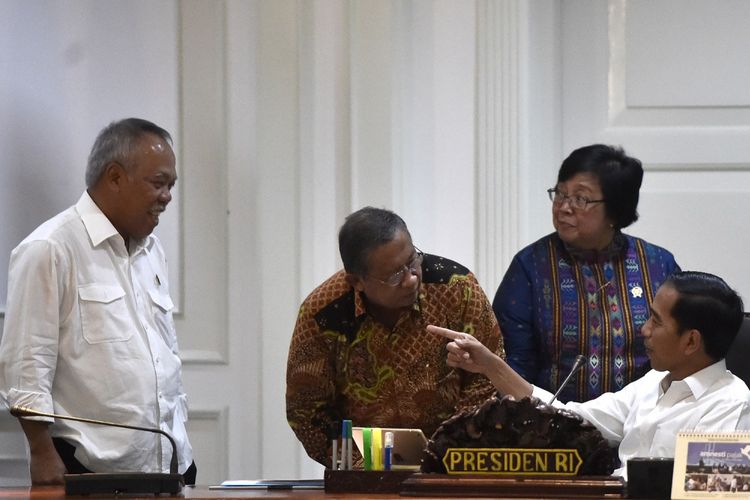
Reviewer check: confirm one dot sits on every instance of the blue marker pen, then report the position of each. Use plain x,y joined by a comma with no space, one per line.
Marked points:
346,445
388,451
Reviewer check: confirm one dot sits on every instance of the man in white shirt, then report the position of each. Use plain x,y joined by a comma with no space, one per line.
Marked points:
88,325
694,319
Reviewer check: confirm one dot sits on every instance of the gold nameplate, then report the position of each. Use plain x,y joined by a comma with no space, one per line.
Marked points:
515,461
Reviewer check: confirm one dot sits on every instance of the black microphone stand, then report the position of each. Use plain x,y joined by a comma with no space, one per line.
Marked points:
116,482
577,364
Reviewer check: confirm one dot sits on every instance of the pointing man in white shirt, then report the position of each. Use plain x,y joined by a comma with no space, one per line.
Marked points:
694,319
88,325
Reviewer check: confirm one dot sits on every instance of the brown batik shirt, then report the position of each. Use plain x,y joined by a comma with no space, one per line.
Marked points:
344,364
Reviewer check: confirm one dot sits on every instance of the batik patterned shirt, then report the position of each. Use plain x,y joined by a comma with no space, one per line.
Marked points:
343,363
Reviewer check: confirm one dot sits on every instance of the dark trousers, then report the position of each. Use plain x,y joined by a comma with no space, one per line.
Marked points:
73,466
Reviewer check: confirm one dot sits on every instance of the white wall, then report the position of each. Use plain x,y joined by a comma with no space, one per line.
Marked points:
289,114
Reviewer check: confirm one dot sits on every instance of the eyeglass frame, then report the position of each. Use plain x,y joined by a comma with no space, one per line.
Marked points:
577,202
412,266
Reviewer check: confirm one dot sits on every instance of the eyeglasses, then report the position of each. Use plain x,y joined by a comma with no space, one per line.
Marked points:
577,202
412,266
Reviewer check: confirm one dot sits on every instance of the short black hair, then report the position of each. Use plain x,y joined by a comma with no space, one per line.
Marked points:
116,142
706,303
620,177
362,232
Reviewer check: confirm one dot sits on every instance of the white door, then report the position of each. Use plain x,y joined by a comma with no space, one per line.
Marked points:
667,80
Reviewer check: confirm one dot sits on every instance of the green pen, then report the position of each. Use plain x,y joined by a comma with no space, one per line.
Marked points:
367,447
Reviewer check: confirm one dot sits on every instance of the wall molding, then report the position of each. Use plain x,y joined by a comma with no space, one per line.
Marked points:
203,204
498,155
216,420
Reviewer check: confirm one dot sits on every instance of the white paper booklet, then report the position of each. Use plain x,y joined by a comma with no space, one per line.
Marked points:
711,465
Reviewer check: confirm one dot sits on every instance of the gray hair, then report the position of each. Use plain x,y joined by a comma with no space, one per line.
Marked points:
116,142
365,230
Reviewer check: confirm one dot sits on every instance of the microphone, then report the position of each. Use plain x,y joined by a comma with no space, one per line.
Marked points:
577,364
115,482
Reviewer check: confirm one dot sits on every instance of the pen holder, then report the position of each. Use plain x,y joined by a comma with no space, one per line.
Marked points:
361,481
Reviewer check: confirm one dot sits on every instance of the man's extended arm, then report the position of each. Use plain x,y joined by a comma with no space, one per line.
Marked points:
467,353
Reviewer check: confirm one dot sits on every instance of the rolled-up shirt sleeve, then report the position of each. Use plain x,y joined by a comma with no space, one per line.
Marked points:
29,348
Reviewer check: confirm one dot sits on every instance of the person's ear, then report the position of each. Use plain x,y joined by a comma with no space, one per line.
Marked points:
355,281
114,175
693,341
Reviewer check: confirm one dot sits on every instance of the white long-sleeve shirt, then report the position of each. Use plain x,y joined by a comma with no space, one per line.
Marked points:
89,333
645,416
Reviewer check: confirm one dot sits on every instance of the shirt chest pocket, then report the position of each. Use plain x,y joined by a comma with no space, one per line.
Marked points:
162,301
162,306
104,313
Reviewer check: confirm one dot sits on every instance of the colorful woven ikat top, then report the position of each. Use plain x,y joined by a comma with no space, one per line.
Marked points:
344,364
555,303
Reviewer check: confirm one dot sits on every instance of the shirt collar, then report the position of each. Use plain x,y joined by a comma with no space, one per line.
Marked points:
700,381
359,302
616,247
98,226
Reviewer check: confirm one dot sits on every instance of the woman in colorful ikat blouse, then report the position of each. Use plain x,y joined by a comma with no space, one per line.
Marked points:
587,287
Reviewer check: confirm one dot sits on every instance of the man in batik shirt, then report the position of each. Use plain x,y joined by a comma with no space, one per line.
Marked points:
360,350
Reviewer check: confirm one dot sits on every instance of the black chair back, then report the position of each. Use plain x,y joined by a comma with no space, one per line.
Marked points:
738,357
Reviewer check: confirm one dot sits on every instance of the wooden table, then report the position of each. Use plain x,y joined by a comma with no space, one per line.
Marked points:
198,492
203,492
352,485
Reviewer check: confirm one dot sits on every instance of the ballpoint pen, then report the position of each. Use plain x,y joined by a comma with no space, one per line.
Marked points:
387,450
333,432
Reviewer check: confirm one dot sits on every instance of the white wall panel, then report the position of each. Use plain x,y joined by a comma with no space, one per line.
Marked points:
668,66
666,80
372,106
636,73
498,138
244,380
696,213
203,178
540,137
277,205
433,125
325,134
208,431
